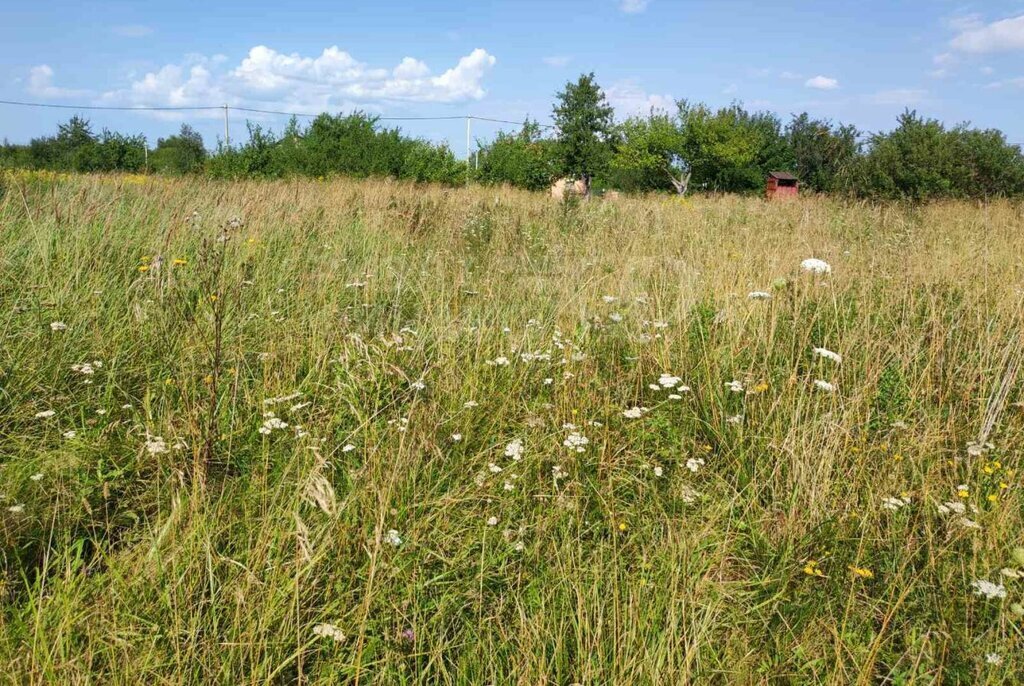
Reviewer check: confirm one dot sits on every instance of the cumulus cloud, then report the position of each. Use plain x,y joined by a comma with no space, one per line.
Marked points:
974,36
327,80
40,84
628,98
557,61
1017,82
633,6
823,83
131,30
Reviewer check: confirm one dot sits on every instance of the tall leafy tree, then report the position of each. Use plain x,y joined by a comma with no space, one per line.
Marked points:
585,123
823,153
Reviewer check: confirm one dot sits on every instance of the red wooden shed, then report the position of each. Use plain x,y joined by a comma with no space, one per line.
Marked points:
781,185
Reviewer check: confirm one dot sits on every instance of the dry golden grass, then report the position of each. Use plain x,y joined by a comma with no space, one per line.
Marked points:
776,561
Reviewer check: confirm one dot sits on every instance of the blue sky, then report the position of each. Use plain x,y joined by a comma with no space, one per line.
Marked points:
856,62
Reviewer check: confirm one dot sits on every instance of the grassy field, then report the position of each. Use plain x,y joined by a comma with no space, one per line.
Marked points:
366,432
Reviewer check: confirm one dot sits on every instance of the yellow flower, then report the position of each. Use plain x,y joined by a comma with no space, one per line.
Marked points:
862,572
1003,485
761,387
178,262
208,378
811,569
962,493
992,497
897,458
169,381
622,526
143,268
213,298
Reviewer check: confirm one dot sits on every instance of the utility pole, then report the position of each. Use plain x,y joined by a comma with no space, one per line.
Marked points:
227,133
145,152
469,135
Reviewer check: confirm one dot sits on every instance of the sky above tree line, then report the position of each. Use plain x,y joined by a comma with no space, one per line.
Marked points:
861,63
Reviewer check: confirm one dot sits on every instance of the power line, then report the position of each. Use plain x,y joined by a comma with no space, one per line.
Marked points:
194,108
106,107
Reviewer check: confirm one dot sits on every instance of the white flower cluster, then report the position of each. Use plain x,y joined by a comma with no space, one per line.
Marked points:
271,423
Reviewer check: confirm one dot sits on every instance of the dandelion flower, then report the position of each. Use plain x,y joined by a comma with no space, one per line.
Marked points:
816,266
828,355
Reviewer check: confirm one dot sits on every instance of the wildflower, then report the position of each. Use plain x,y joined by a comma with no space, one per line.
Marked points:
83,368
811,568
558,473
952,507
666,380
890,503
178,262
694,464
515,449
815,266
548,381
58,326
470,404
456,438
329,631
828,355
633,413
674,396
71,433
993,658
417,385
272,423
493,468
734,419
962,491
862,572
508,485
392,538
576,441
615,317
16,509
348,447
519,546
38,476
734,386
623,526
45,414
501,361
983,587
608,299
824,386
492,521
759,295
658,471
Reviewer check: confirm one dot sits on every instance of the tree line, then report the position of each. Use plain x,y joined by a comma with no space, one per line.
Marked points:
692,148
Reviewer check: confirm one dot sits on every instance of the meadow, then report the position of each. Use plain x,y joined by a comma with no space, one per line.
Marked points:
379,433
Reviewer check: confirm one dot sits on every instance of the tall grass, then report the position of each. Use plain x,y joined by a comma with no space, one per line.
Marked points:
154,545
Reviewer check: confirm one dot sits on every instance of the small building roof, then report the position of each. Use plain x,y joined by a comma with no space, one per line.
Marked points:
782,176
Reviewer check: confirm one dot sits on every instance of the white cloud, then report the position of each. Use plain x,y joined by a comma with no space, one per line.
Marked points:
1017,82
131,30
824,83
1004,35
328,80
633,6
40,84
557,61
628,98
790,76
898,96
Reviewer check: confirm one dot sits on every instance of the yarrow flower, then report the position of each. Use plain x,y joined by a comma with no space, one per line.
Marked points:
515,449
576,441
492,521
45,414
734,386
816,266
329,631
894,504
759,295
989,590
824,386
667,380
694,464
828,355
271,423
392,538
634,412
58,326
156,445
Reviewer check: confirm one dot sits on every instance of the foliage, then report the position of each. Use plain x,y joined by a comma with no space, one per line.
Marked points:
584,120
183,153
523,159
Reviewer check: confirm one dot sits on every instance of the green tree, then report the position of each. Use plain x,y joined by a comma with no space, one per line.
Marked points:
523,159
585,128
182,153
650,155
823,154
